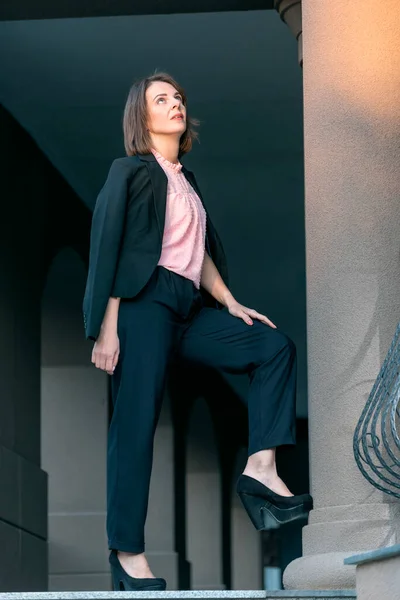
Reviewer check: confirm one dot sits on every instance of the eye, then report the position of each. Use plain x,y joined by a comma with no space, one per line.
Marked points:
158,99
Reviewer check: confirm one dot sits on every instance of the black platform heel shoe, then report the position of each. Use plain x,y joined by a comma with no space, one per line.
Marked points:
259,501
124,582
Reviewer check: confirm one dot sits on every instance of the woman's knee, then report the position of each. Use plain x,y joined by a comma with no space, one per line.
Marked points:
284,343
290,345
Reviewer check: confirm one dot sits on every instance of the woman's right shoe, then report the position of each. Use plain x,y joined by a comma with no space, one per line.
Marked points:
124,582
259,502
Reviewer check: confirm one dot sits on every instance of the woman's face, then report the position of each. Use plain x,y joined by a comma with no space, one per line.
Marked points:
166,113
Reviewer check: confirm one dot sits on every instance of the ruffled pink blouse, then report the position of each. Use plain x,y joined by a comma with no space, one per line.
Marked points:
183,243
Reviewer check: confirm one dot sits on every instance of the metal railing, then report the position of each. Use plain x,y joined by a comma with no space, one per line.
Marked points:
376,441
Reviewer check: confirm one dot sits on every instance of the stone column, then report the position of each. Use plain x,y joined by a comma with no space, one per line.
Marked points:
160,522
203,501
247,573
352,179
290,13
74,411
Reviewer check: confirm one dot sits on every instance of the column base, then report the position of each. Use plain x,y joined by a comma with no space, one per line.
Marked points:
334,533
320,572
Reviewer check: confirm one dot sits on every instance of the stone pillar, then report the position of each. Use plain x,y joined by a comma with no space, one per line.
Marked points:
247,574
74,411
352,180
290,12
160,523
203,504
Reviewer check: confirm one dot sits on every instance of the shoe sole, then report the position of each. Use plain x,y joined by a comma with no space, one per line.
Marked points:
258,510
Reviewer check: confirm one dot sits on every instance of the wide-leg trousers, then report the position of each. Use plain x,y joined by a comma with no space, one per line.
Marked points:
168,321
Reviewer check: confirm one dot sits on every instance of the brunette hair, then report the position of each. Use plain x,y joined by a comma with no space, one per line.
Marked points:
137,139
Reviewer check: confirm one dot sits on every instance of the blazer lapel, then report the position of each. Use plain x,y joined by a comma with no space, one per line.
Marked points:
191,179
159,182
209,226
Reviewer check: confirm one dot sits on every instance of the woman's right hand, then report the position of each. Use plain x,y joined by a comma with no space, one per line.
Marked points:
106,351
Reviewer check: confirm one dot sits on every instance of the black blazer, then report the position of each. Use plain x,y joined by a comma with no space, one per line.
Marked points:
126,236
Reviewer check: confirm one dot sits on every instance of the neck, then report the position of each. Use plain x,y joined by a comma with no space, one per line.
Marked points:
167,146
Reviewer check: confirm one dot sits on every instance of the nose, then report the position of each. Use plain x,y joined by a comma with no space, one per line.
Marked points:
176,103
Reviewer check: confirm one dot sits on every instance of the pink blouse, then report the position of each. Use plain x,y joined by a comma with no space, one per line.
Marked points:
185,225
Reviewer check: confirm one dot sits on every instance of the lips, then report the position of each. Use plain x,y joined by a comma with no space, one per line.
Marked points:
178,116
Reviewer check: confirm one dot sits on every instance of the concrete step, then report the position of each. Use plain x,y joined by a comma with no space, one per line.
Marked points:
377,573
185,595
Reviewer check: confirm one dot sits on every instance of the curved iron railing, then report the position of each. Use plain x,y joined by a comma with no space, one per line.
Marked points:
376,441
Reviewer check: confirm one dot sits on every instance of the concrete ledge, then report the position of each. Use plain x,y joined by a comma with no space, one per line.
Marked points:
377,573
228,594
373,556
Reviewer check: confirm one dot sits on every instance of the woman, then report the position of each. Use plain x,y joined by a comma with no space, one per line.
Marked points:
156,285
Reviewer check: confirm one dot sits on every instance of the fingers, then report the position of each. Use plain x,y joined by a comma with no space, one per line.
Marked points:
241,313
265,320
100,360
256,315
248,314
105,362
115,362
110,370
246,318
109,365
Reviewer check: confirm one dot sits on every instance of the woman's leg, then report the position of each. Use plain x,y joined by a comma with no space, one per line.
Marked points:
147,332
149,328
217,339
262,466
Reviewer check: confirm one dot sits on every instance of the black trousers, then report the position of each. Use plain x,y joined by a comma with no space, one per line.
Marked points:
167,320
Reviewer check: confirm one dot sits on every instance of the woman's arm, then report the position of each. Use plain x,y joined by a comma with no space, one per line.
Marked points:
105,351
212,281
110,319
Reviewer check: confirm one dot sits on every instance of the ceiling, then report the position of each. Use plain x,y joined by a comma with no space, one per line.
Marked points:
48,9
66,80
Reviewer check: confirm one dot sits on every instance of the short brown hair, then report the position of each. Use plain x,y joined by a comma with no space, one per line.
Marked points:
137,139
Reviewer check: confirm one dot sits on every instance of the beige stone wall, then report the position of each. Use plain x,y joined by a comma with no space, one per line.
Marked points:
352,166
74,407
379,580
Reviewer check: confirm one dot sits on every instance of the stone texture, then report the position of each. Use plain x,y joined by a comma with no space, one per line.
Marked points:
322,569
10,559
245,541
33,563
378,573
352,164
203,505
80,582
374,555
379,580
9,490
33,498
195,595
23,560
74,430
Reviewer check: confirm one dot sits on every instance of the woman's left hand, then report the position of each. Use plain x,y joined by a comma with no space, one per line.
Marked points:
242,312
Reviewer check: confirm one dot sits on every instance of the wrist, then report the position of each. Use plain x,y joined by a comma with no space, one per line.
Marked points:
109,326
110,320
227,298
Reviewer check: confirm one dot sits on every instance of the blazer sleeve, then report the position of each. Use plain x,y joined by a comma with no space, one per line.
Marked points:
105,242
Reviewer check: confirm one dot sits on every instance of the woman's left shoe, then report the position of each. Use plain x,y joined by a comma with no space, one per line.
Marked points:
259,501
122,581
